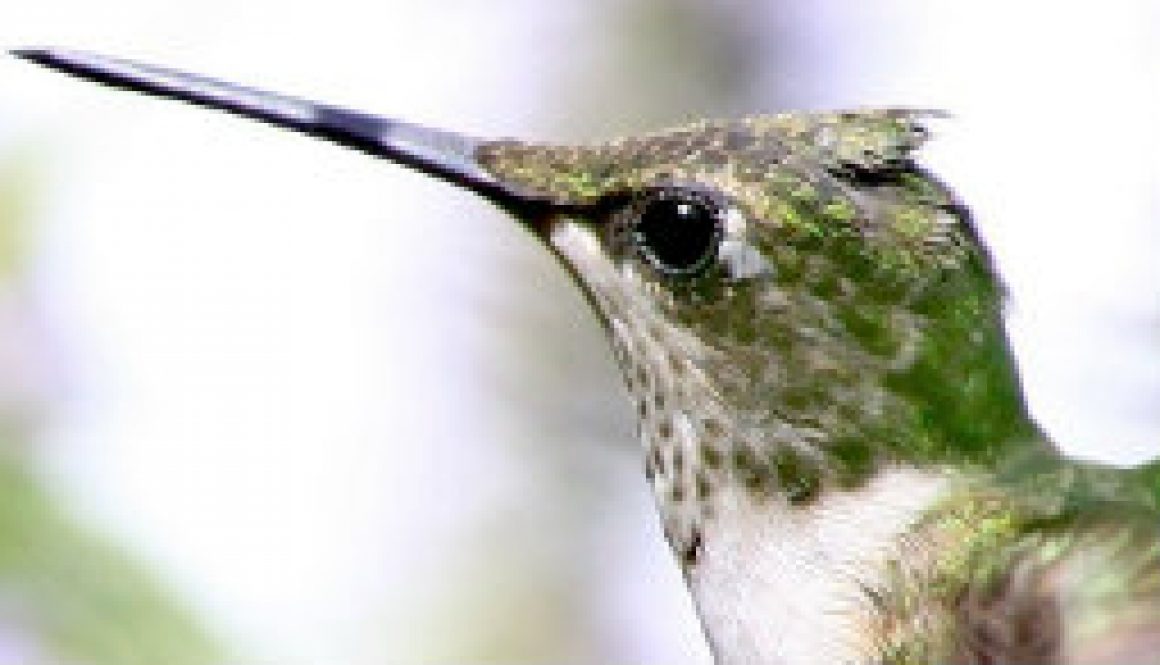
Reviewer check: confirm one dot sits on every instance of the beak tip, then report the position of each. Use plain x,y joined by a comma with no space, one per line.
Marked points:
27,53
51,57
40,56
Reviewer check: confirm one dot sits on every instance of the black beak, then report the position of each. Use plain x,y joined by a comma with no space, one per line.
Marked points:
445,155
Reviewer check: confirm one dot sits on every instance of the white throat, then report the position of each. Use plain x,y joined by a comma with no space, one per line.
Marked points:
783,585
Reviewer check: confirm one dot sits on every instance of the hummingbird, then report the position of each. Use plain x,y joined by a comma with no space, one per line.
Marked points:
829,412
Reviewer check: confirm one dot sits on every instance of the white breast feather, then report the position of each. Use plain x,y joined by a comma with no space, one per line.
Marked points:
782,585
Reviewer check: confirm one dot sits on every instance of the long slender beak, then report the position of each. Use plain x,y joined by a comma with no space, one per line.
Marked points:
445,155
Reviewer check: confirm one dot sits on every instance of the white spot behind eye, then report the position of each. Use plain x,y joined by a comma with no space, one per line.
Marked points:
734,223
742,260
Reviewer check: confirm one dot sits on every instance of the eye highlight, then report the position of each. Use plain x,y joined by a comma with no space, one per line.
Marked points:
678,231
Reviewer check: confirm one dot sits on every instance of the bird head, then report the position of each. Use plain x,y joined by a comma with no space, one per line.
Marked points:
793,301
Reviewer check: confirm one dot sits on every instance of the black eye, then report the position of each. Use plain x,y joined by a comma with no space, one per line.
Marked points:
677,230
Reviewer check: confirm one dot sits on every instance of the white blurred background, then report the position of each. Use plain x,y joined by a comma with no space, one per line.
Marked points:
341,413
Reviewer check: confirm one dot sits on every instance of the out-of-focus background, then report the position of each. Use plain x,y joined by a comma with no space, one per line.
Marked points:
263,400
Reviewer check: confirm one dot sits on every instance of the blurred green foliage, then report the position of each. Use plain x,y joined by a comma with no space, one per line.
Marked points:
68,592
83,599
16,192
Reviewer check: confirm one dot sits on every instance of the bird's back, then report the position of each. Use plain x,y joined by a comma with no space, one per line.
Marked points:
1048,562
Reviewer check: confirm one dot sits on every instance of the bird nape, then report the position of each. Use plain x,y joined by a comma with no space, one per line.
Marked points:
828,408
